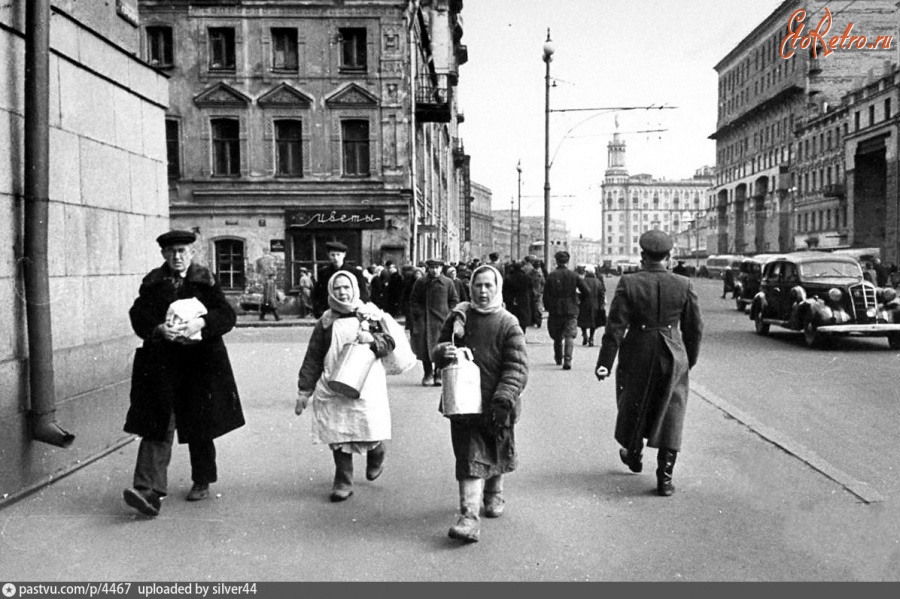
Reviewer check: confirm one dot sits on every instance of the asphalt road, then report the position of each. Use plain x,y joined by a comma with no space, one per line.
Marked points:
840,403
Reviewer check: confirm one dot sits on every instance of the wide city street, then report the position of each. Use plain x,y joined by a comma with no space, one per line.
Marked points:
788,472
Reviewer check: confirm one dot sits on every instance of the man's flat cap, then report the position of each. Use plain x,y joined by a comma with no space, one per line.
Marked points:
176,237
655,242
433,262
336,246
562,256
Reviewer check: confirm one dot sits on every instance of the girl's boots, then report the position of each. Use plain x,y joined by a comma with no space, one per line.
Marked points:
468,526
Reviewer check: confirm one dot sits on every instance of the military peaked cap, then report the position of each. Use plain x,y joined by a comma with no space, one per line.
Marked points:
336,246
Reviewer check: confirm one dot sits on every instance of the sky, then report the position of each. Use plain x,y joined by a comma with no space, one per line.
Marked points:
608,53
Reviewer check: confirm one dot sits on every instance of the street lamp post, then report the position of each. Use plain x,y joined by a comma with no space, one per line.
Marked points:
519,219
548,57
512,238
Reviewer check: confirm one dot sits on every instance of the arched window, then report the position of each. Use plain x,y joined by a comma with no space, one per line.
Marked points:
230,264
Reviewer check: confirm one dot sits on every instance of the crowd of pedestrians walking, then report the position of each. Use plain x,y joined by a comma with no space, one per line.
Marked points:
182,379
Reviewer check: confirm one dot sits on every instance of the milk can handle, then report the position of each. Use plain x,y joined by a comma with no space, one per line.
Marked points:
466,352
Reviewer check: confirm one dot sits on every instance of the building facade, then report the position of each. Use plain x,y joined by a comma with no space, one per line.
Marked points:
481,225
633,204
107,202
871,153
768,87
292,124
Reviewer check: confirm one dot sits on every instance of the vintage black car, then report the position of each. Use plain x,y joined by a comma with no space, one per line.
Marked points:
824,295
746,284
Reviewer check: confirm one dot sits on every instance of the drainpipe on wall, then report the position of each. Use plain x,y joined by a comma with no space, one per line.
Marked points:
413,170
37,191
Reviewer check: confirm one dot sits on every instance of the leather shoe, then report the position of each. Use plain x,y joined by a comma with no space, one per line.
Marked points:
198,492
426,380
633,462
145,501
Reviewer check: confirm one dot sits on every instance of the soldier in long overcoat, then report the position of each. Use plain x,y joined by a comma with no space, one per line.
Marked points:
182,378
430,301
655,328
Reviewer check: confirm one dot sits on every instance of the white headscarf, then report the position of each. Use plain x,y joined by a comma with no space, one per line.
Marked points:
337,305
497,301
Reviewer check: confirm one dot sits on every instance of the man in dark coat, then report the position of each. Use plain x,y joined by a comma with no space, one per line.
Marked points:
592,309
518,294
337,252
430,301
561,302
182,378
655,327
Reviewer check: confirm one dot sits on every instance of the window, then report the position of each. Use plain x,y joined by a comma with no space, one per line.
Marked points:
288,152
221,49
353,49
284,49
226,148
230,264
159,46
871,115
173,154
856,121
355,135
887,108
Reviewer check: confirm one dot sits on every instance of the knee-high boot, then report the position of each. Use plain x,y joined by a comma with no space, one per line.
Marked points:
665,466
558,351
567,355
343,476
468,526
375,462
493,497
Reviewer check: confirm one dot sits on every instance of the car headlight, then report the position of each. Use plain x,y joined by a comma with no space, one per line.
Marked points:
835,294
889,294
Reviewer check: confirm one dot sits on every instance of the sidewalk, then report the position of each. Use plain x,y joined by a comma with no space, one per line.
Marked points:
743,510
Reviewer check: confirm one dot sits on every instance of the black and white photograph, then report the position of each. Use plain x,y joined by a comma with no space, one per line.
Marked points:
440,291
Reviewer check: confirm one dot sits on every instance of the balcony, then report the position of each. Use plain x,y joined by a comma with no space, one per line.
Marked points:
834,190
432,99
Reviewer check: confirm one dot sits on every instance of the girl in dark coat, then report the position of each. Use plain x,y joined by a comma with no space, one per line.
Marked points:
484,444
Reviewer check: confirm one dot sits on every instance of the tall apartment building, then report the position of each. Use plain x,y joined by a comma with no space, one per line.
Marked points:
481,239
107,201
294,123
768,88
633,204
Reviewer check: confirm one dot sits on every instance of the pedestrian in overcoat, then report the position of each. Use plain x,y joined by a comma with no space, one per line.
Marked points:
655,327
484,444
269,302
348,425
592,309
518,294
561,302
337,254
182,378
430,302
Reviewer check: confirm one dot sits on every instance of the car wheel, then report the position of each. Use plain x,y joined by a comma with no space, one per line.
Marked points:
812,336
762,327
894,340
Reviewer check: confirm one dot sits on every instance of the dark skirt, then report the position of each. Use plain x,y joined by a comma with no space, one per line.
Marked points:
482,450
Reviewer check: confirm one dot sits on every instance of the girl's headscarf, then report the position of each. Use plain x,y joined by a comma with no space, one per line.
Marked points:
337,305
497,302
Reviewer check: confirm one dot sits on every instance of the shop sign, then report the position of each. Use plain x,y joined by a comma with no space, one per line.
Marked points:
276,245
337,219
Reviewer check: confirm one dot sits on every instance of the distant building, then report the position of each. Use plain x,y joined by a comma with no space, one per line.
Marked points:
292,124
633,204
766,181
482,231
